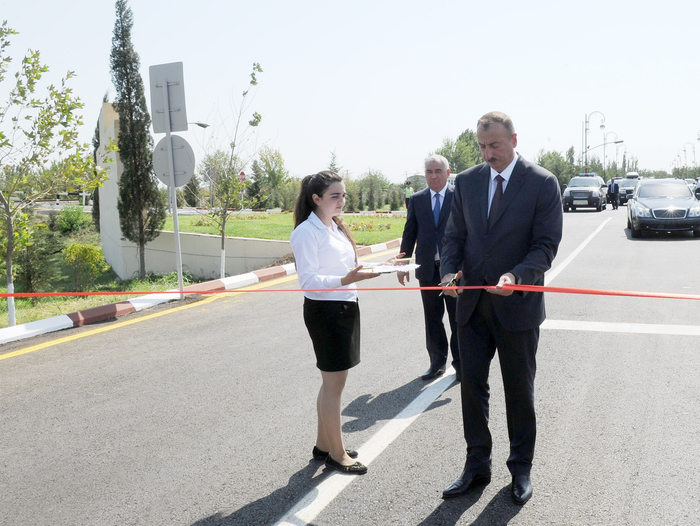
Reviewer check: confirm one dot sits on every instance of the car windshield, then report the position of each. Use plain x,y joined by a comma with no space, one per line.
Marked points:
628,182
661,191
583,181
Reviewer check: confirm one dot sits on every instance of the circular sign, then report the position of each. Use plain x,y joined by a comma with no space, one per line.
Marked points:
183,161
241,176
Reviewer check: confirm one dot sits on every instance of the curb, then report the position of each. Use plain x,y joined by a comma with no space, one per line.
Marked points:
122,308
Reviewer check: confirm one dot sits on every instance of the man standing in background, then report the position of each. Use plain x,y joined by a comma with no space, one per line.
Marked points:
428,211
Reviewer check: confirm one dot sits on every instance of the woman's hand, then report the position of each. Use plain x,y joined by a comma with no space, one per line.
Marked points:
355,275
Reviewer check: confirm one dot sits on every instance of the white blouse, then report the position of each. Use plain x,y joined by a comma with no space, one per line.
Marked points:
324,255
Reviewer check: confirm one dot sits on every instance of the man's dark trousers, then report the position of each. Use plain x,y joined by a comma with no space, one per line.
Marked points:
433,311
485,334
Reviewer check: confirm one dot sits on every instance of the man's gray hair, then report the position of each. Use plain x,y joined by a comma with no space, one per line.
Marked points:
438,159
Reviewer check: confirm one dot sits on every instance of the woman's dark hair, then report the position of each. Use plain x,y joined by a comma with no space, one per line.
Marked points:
318,184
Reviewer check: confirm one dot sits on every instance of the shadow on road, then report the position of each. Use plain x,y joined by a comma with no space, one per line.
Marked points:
499,511
270,508
368,410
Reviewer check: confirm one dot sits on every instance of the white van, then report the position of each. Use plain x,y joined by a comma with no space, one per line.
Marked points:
632,175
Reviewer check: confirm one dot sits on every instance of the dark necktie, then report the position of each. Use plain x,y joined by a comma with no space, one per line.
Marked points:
436,209
496,199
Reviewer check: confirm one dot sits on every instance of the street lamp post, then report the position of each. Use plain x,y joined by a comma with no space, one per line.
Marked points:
605,138
585,133
686,153
617,151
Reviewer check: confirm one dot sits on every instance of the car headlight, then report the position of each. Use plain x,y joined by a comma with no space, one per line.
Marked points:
641,211
694,211
595,193
566,192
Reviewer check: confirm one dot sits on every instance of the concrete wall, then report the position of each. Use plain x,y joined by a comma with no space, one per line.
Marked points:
201,254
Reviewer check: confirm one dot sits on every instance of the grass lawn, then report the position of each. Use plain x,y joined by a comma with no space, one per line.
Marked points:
367,230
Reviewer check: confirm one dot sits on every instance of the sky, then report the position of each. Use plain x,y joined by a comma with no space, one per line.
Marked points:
382,83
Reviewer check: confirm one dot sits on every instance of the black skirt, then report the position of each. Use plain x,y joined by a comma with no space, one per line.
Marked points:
334,327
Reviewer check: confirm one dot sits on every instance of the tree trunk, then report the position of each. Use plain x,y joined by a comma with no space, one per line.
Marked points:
223,245
142,250
9,231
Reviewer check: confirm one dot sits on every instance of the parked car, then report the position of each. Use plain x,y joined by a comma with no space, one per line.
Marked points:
585,191
627,189
665,205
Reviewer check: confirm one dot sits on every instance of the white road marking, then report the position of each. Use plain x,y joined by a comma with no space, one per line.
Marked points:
314,502
553,273
628,328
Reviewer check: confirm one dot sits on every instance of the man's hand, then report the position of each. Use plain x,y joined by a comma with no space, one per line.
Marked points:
506,279
449,277
403,276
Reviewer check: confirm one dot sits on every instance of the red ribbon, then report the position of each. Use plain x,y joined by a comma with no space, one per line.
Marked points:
528,288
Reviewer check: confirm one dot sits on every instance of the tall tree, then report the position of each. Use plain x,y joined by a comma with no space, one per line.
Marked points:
224,166
140,205
462,153
36,132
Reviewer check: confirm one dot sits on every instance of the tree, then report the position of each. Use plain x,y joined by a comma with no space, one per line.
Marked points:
374,184
269,179
462,153
333,165
224,167
141,208
191,191
35,132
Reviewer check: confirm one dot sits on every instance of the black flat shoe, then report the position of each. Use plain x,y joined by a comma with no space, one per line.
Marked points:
322,455
357,468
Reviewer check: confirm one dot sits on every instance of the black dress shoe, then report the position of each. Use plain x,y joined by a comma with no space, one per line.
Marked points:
432,372
466,483
358,468
319,454
521,489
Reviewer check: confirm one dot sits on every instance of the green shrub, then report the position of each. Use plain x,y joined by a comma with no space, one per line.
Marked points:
35,263
71,219
86,261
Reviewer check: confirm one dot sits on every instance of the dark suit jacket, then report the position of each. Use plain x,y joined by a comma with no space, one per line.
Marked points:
420,230
523,240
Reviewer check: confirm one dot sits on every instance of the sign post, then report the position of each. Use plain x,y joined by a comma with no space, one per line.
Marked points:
168,109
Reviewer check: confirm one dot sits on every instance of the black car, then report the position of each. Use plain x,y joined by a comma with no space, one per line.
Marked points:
627,187
663,205
585,192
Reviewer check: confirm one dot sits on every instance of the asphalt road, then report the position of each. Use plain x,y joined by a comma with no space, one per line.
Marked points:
204,414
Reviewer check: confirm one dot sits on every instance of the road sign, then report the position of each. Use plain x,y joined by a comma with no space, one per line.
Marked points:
241,176
183,161
172,76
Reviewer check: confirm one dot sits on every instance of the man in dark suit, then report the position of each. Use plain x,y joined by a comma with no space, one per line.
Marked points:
614,194
504,228
428,211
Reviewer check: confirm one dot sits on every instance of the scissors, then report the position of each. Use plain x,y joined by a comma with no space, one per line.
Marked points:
450,283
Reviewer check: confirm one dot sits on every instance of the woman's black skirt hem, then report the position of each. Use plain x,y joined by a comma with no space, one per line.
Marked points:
334,327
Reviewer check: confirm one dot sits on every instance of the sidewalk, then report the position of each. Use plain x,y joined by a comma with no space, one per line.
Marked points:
122,308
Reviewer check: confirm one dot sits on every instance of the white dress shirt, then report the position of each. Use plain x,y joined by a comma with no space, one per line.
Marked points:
506,176
323,257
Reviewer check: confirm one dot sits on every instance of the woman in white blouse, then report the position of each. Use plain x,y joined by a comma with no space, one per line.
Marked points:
326,258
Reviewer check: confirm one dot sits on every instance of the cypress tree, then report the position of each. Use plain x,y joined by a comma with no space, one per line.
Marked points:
140,205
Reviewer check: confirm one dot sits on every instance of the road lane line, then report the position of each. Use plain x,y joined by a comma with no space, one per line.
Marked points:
627,328
316,500
553,273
